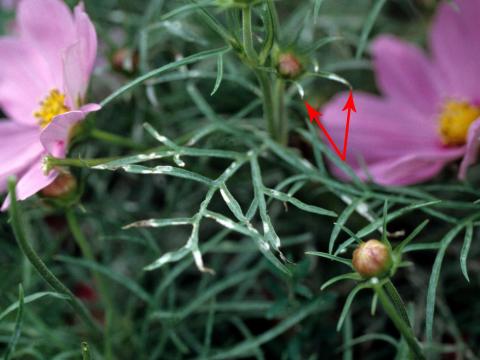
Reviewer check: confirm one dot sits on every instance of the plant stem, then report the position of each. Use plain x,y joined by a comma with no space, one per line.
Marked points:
264,79
39,265
248,35
273,100
280,112
81,163
268,103
86,163
102,288
115,139
400,324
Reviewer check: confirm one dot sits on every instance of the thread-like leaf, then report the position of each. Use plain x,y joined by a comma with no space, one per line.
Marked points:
372,17
377,223
185,61
465,249
18,326
29,299
434,278
219,78
348,304
330,257
348,276
342,219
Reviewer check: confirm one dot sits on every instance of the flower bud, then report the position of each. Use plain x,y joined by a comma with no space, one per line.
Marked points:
125,60
289,66
62,187
372,259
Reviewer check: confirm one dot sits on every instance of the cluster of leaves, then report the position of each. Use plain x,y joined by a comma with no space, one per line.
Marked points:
215,193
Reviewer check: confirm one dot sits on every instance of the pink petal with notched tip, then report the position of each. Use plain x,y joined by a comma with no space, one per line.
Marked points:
403,72
397,136
55,49
79,59
455,47
88,39
47,27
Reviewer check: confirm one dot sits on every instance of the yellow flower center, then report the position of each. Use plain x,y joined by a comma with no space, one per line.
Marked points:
53,105
455,120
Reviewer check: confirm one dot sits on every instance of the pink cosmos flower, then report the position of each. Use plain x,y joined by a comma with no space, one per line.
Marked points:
429,111
44,74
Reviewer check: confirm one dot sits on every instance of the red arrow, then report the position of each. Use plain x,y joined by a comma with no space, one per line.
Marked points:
349,106
315,115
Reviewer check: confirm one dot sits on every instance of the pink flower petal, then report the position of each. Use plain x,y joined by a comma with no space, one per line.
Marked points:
19,147
87,108
379,129
32,182
55,136
456,49
79,59
75,81
47,26
471,152
397,146
412,168
24,80
88,39
403,72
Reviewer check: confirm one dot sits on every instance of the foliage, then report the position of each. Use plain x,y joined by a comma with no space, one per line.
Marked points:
197,232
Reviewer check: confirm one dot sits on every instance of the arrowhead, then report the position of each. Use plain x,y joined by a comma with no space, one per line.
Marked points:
350,104
312,113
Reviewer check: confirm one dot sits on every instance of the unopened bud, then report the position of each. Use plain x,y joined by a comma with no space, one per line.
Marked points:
125,60
289,66
372,259
63,186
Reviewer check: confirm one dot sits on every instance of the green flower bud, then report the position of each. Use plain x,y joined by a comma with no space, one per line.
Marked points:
372,259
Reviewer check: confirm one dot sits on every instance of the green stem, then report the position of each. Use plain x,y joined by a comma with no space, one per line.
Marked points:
39,265
115,139
53,162
400,324
87,253
268,103
280,112
273,100
248,35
